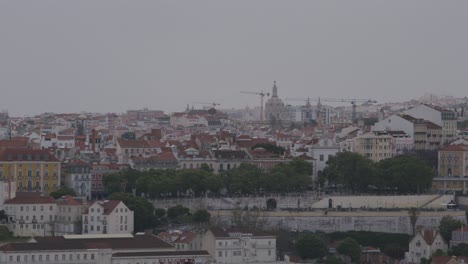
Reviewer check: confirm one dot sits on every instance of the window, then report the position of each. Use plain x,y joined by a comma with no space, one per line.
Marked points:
220,253
321,157
92,256
70,257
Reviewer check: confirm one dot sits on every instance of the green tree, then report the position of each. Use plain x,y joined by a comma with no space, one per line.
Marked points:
177,211
352,170
439,252
143,210
424,261
350,248
114,182
394,251
201,216
62,191
460,250
447,225
406,173
333,260
310,247
270,148
413,215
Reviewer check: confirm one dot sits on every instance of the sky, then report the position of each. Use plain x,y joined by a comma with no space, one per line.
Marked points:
110,56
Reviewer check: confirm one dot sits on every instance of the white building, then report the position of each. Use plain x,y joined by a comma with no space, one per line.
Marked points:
108,217
99,249
442,117
7,191
239,246
31,214
424,244
69,212
78,178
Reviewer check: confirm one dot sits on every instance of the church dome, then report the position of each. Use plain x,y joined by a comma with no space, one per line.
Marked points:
274,107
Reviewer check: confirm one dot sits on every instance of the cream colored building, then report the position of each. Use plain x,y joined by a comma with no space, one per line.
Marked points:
31,214
374,147
108,217
99,249
239,246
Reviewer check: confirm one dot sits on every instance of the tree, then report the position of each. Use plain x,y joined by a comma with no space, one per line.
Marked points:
413,215
62,191
177,211
395,251
310,247
407,174
201,216
460,250
350,248
352,170
333,260
439,252
270,148
447,225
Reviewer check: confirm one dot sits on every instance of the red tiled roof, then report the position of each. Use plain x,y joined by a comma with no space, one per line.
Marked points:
14,143
133,143
31,198
107,205
455,148
68,200
60,243
24,154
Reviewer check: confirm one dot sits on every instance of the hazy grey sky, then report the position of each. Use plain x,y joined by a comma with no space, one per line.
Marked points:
109,56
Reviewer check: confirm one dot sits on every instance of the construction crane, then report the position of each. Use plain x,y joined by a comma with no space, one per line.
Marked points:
261,94
335,100
214,104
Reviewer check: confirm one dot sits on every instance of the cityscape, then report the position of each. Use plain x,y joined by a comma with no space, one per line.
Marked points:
229,132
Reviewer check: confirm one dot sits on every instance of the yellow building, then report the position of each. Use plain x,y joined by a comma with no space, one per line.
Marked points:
453,169
374,147
33,170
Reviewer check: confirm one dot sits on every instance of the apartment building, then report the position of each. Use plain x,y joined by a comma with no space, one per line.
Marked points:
99,249
108,217
374,147
33,170
444,118
239,246
77,176
31,214
453,169
69,212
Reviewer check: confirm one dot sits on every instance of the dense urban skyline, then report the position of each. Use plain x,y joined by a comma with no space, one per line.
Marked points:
117,55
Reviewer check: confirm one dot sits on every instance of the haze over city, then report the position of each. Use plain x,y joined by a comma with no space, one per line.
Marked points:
109,56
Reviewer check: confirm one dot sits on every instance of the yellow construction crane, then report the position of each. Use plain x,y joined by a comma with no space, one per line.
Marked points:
261,94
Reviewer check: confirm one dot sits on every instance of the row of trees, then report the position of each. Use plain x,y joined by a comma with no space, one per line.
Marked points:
310,246
147,216
245,179
353,172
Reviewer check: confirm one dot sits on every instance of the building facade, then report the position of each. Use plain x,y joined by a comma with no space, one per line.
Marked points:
108,217
239,246
32,170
